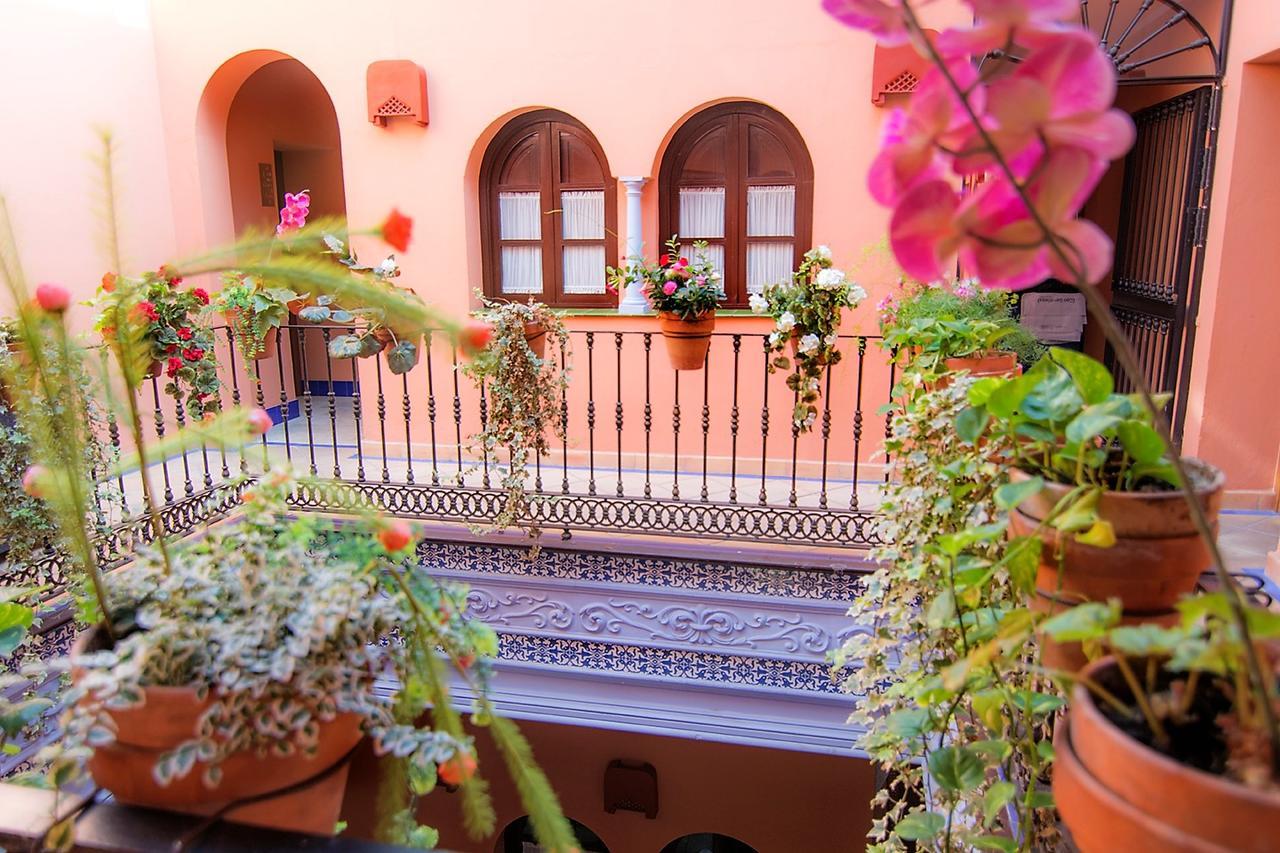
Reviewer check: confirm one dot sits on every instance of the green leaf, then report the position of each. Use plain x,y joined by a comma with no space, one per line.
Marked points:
1088,621
1038,704
1022,559
971,423
919,826
15,619
993,751
1145,640
941,610
908,723
340,316
999,795
1141,441
345,346
1100,535
1097,419
1091,377
1013,494
1081,514
19,715
957,768
988,705
422,777
402,357
315,314
369,345
980,391
995,842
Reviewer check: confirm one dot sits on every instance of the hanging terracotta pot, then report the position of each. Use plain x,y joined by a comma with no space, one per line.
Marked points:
535,335
383,336
268,349
296,305
688,341
1115,793
1158,555
796,335
155,370
170,715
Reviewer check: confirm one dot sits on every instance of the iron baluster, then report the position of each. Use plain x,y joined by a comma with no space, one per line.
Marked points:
179,413
284,395
261,397
617,410
795,448
857,423
235,388
306,396
159,421
675,438
564,431
457,417
706,416
826,437
408,429
431,414
733,424
648,413
333,406
591,414
113,432
888,417
764,428
357,412
484,424
382,417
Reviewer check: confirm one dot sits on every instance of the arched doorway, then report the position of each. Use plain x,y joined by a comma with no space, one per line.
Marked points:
518,837
268,126
707,842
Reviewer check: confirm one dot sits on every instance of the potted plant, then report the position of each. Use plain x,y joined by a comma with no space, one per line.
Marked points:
177,346
376,329
1092,482
685,295
254,311
1166,745
806,311
959,327
525,392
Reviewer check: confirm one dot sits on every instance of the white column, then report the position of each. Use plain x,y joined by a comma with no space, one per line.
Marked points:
633,301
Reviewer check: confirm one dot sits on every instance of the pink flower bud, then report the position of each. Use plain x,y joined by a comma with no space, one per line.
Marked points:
53,298
31,480
259,421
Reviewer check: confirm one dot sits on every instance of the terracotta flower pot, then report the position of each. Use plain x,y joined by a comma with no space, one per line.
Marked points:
268,337
536,337
1157,558
296,305
383,336
1070,657
169,716
688,341
796,335
1116,793
999,363
155,370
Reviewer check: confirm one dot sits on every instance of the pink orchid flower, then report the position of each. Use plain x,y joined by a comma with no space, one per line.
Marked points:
1060,95
294,213
1000,21
909,151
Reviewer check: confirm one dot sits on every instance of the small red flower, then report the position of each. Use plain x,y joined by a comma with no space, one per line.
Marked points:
193,354
53,298
458,769
664,260
684,262
396,230
170,274
146,309
200,293
475,337
171,348
184,333
108,282
396,535
175,364
31,480
465,661
249,496
259,421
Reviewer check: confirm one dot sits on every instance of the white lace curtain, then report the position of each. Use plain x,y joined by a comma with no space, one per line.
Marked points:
701,212
583,214
768,263
520,218
771,211
584,269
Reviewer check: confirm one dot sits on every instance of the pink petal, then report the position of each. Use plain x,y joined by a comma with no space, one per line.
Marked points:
898,168
1079,77
1064,182
881,19
956,42
1107,136
1087,246
1019,11
922,230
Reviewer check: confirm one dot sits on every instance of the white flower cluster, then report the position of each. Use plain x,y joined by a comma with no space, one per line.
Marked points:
759,305
808,344
786,322
857,295
829,278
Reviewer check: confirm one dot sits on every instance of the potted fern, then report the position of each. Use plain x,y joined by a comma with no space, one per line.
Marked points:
254,311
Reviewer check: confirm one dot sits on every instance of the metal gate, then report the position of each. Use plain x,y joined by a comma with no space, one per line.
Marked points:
1159,250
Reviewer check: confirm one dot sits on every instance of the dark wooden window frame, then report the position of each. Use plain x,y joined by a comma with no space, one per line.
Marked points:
737,117
551,123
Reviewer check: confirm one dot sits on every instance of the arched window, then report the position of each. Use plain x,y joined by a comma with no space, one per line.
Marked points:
738,175
518,837
707,842
548,216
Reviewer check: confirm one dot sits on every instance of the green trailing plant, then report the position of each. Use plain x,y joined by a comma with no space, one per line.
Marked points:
955,321
252,308
675,284
20,708
525,393
965,741
278,624
806,311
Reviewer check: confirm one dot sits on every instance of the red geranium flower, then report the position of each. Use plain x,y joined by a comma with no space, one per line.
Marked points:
175,364
169,274
108,282
664,260
200,293
171,348
184,333
146,309
193,354
396,230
